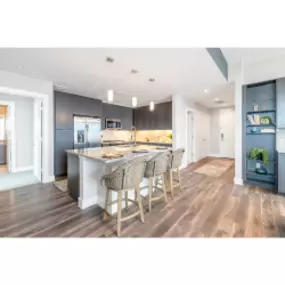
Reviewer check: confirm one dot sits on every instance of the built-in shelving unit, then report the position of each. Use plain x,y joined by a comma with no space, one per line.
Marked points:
259,101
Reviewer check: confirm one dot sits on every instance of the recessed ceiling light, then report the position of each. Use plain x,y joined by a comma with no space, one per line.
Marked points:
206,91
109,59
21,66
216,100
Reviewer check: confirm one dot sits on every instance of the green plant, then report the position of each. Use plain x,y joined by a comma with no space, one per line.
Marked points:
265,120
258,154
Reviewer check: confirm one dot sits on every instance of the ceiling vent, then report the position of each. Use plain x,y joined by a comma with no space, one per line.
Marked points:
134,71
151,80
219,101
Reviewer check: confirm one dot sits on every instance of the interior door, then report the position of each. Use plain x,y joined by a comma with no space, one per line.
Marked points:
227,133
203,135
37,153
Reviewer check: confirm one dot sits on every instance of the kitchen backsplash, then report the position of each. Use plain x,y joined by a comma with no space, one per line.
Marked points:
152,136
112,135
155,136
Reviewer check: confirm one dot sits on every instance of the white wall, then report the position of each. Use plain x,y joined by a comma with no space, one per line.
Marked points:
220,118
180,105
23,129
12,82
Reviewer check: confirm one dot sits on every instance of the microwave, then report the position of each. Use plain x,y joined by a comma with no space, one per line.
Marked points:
113,124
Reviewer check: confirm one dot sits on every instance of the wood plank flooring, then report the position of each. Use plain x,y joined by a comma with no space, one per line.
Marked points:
207,207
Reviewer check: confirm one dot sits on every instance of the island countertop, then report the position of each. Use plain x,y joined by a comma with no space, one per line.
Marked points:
125,150
86,167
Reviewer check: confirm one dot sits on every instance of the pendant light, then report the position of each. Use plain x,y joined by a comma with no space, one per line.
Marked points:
110,92
151,106
134,102
110,95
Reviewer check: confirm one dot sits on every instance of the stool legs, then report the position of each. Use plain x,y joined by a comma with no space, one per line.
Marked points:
119,213
171,182
150,189
137,191
126,200
179,179
105,215
164,189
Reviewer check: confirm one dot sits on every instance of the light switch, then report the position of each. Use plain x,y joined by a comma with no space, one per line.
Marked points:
257,165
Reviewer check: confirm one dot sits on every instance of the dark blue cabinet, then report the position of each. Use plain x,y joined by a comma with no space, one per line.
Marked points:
281,173
280,100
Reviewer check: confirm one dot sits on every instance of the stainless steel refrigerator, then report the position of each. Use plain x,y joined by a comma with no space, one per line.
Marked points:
87,132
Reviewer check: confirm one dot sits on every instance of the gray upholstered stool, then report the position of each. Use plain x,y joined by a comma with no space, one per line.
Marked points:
156,168
173,168
126,177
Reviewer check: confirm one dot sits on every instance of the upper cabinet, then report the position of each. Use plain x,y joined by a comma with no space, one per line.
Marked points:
280,102
158,119
124,114
67,105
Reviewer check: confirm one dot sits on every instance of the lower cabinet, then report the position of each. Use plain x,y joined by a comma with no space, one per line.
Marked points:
63,141
281,173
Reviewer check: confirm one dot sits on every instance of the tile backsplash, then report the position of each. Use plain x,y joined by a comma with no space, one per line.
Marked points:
156,135
112,135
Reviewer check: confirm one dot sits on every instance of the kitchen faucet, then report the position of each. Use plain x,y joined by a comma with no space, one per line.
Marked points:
133,135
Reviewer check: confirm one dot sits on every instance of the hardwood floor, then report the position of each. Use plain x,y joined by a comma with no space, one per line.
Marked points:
208,207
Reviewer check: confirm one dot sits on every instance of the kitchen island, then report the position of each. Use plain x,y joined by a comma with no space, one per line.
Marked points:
86,167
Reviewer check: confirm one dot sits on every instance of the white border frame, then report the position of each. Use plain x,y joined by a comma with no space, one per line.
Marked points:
194,112
45,144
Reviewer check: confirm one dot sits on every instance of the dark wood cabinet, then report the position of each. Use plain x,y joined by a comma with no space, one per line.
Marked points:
63,141
124,114
158,119
66,105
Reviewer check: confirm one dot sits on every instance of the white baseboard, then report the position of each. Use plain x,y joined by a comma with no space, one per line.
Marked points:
85,203
238,181
219,155
48,179
24,168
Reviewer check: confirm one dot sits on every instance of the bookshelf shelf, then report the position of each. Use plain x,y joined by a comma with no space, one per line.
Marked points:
263,95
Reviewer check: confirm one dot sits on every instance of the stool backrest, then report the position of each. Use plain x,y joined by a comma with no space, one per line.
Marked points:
176,158
157,165
127,176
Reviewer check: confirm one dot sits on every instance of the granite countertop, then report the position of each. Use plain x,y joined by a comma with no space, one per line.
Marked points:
126,150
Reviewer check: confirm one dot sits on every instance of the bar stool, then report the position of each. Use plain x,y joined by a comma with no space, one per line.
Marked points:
156,168
125,178
174,164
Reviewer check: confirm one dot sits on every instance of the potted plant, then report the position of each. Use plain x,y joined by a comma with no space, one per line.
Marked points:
259,154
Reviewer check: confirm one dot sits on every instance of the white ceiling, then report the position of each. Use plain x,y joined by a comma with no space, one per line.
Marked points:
224,92
250,55
186,71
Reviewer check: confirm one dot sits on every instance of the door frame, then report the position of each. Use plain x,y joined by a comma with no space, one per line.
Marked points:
45,125
11,138
194,135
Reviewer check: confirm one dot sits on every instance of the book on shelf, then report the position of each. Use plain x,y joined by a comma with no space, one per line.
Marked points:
250,119
256,119
267,130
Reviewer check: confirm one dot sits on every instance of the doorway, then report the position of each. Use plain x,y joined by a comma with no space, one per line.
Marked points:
227,132
190,138
3,139
21,159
